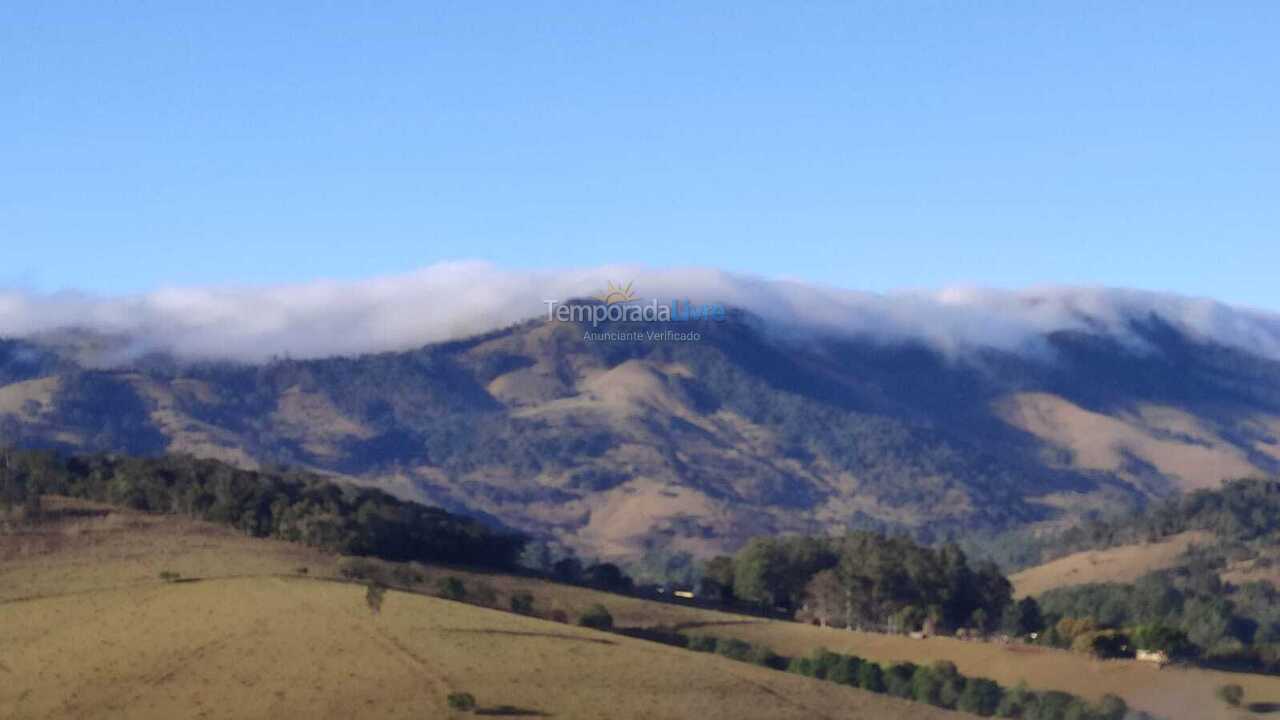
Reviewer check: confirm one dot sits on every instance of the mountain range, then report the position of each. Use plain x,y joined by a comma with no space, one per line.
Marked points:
635,448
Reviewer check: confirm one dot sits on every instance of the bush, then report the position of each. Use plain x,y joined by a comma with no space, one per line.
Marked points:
301,570
451,588
484,594
702,643
1112,707
169,576
764,656
373,596
1232,694
558,615
522,603
466,702
733,648
597,616
897,679
980,697
406,576
871,677
801,666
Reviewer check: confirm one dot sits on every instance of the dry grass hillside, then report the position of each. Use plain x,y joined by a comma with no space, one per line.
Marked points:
1117,565
88,630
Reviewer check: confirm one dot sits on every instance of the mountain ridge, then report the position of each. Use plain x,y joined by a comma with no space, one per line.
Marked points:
628,449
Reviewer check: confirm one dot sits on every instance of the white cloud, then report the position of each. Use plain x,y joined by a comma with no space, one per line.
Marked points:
451,300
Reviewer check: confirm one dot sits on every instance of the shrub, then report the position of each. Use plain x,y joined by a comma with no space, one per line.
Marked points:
801,666
1231,694
466,702
733,648
871,677
373,596
301,570
1112,707
980,697
484,594
357,569
558,615
597,616
702,643
522,603
169,576
406,576
451,588
764,656
897,679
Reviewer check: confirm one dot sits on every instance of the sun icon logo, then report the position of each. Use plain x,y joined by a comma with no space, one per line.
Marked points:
618,294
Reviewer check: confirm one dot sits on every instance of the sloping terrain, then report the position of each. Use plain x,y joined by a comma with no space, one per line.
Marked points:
87,630
633,448
1122,564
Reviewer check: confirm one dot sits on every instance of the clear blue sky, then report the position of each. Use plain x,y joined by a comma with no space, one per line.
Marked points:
865,145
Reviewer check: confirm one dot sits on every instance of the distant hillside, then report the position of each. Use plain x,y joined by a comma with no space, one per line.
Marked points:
663,449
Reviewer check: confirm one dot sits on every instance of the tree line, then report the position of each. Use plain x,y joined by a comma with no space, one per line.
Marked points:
864,580
285,504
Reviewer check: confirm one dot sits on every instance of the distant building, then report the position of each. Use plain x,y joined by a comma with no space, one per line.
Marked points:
1158,657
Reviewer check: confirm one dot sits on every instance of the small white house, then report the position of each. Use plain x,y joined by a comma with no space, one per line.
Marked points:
1158,657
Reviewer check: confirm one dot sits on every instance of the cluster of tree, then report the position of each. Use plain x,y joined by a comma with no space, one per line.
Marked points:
1187,612
865,580
1245,511
285,504
939,684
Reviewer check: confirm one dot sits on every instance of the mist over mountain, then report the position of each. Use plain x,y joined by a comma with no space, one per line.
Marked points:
807,410
454,300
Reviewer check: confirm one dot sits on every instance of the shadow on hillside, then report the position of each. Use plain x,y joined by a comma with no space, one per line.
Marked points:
519,633
1263,708
510,711
716,623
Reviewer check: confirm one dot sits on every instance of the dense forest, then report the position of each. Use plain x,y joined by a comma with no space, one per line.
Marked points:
289,505
1243,511
869,581
1188,610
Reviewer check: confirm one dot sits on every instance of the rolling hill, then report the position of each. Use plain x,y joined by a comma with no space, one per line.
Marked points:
260,628
623,450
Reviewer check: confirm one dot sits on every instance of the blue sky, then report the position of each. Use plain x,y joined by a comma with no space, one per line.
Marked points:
865,145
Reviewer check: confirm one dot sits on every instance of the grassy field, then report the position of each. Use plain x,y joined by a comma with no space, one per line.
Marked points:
1171,692
87,630
1119,564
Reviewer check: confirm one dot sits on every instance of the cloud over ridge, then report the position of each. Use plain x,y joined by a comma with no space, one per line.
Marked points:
450,300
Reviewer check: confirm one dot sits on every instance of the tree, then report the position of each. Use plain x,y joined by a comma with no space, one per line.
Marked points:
1163,638
980,697
871,677
522,603
464,702
597,616
373,595
1112,707
451,588
717,578
824,597
1231,694
608,576
1023,618
568,569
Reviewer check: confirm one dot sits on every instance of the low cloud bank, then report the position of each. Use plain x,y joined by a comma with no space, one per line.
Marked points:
451,300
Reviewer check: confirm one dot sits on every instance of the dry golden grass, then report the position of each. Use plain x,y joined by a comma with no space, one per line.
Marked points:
1119,564
88,630
1174,693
